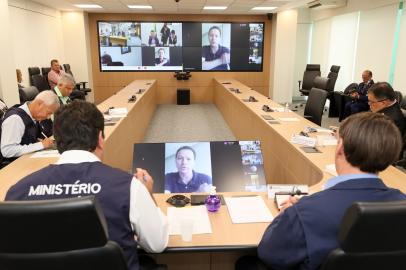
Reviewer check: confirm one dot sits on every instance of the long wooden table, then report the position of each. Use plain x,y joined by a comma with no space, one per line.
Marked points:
284,162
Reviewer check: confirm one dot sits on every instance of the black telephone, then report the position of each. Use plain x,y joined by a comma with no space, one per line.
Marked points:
178,200
133,98
252,99
266,108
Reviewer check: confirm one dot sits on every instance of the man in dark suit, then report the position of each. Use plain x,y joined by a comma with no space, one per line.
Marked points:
306,230
359,102
382,99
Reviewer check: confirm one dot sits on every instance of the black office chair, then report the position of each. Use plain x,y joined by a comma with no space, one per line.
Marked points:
45,71
372,236
81,86
56,234
342,97
309,74
315,105
37,80
332,75
27,93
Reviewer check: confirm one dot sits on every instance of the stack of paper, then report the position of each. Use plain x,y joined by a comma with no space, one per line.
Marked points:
248,209
118,112
201,222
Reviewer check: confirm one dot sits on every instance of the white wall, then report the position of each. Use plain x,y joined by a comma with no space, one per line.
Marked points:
8,80
283,56
36,35
375,41
320,45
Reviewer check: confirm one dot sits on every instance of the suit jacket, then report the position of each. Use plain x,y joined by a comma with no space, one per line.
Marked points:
363,90
303,235
395,113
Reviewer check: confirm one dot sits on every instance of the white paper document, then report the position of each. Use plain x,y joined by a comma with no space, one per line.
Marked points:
199,214
326,140
46,154
331,169
248,209
280,109
289,119
118,112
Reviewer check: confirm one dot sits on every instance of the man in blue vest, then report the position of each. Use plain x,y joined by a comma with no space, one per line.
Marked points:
306,230
25,128
126,200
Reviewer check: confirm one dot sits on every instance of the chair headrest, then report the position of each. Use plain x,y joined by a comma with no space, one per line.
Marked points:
51,225
335,69
374,227
33,71
45,70
313,67
320,82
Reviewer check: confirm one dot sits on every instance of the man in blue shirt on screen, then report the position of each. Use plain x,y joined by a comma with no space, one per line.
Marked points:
186,180
306,230
215,56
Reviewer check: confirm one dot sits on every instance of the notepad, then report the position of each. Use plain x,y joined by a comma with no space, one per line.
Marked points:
248,209
118,112
201,224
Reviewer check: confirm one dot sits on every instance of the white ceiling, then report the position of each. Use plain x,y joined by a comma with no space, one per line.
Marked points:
170,6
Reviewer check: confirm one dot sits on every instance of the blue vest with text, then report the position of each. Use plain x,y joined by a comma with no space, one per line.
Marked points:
110,186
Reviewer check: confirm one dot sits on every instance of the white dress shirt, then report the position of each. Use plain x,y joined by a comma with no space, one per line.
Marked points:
147,220
12,131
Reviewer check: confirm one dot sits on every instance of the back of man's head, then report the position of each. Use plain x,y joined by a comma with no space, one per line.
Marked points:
77,126
382,91
371,141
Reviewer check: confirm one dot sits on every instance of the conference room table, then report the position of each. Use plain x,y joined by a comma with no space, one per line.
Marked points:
284,163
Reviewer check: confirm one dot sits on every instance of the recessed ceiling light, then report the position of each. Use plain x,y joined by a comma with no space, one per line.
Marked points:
88,6
215,7
263,8
139,7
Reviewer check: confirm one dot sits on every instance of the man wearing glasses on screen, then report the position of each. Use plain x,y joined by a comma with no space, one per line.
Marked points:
215,56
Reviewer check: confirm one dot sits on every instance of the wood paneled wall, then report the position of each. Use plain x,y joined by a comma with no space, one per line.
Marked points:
106,84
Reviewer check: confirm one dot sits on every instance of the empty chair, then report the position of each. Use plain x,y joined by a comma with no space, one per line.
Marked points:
37,80
309,74
56,234
45,71
315,105
342,97
79,86
27,93
332,75
371,237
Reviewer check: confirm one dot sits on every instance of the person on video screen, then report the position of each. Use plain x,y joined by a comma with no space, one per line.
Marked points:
153,40
161,60
215,56
173,39
165,31
186,179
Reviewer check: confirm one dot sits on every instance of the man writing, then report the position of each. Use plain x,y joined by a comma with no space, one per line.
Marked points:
126,200
22,130
306,231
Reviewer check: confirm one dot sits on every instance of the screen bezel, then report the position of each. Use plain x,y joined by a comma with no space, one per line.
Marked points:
174,70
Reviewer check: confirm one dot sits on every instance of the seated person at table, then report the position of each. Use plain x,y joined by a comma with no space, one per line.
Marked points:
26,128
306,230
382,99
126,200
215,56
186,179
64,89
55,73
359,102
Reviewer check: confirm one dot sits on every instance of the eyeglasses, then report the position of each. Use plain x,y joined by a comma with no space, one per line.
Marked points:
372,102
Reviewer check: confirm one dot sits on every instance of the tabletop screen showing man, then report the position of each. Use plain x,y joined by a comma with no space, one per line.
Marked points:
181,160
216,43
162,57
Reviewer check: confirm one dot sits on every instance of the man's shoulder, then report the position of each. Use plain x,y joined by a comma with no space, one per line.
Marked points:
224,49
202,176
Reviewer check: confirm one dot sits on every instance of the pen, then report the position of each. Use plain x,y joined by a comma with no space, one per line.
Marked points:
43,134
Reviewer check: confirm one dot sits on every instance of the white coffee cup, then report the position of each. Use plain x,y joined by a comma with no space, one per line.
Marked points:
186,229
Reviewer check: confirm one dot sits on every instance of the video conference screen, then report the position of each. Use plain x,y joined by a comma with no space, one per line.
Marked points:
175,46
195,167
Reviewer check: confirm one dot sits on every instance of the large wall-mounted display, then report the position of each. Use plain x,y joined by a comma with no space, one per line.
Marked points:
171,46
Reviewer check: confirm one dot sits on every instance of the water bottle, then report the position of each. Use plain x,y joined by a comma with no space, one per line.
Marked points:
286,107
213,202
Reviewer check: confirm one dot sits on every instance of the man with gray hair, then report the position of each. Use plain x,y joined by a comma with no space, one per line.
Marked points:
64,88
22,128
